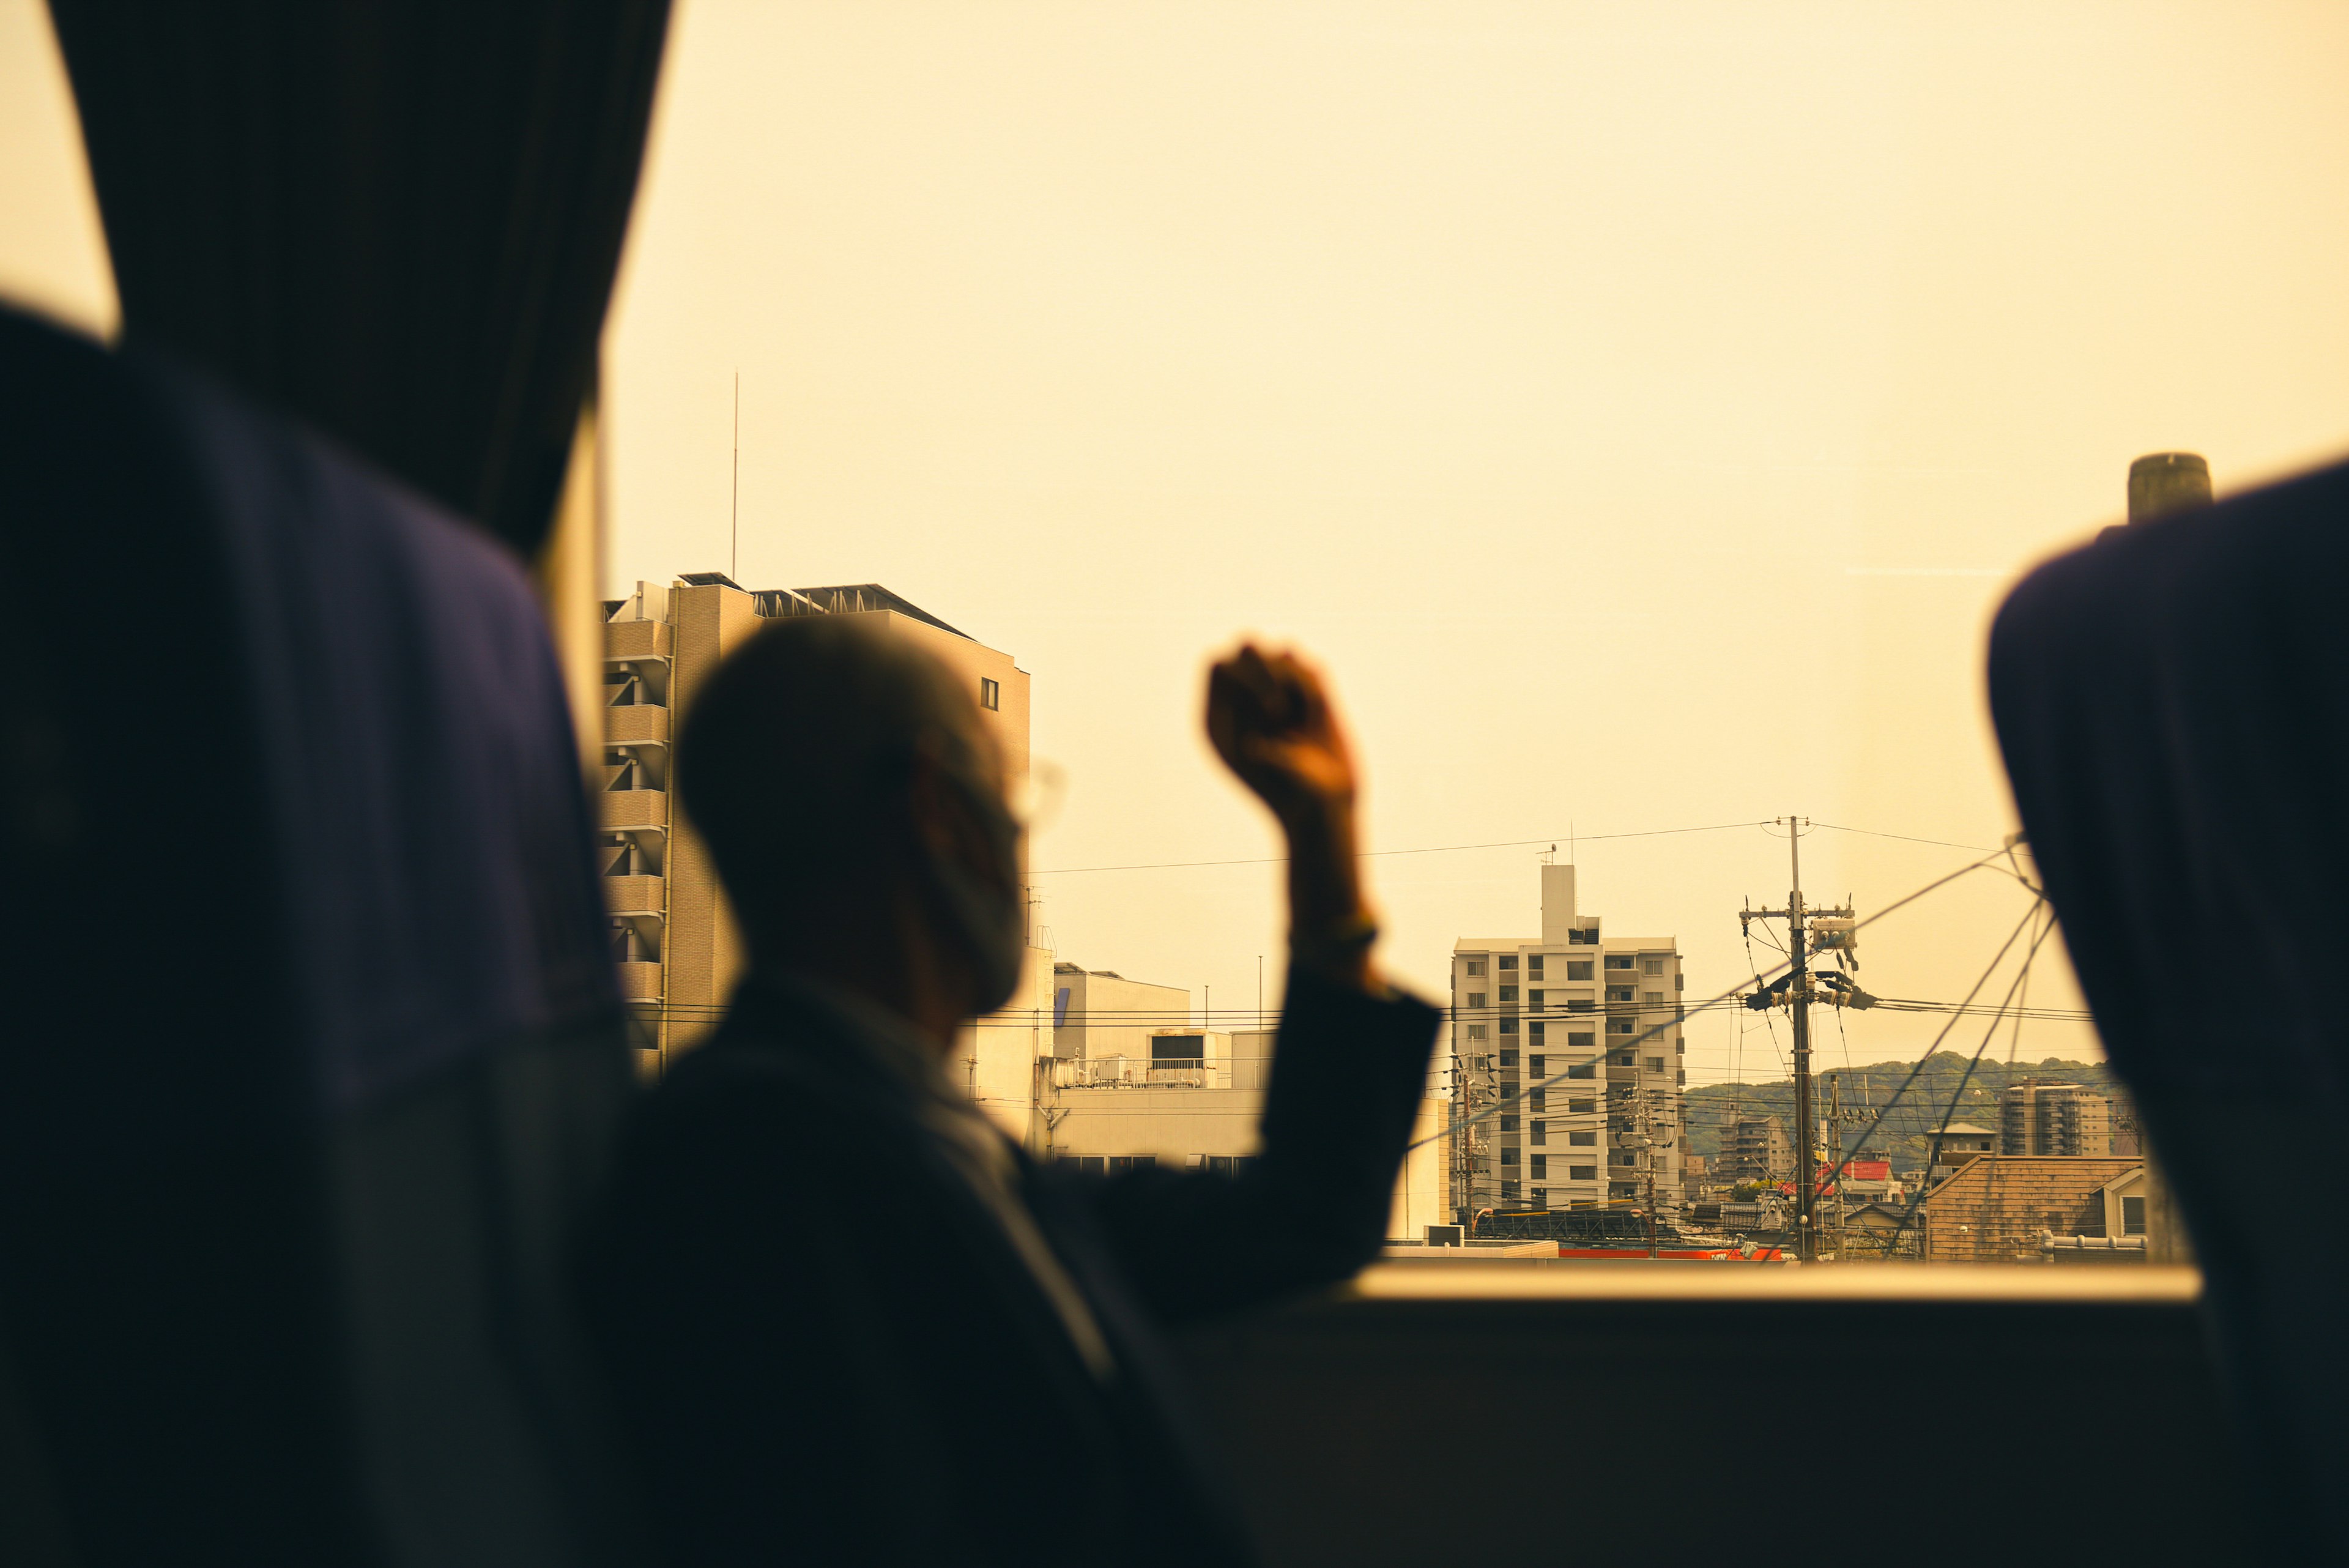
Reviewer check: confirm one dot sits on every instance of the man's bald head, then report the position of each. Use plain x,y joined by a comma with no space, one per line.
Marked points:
797,754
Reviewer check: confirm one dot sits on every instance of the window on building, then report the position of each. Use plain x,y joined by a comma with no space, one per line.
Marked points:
1508,960
1541,1198
990,695
1508,1156
1652,966
1582,1040
1508,1124
1582,1139
1620,960
1582,1173
1619,994
1538,1066
1089,1164
1655,1063
1533,966
1118,1162
1535,1029
1508,1026
1579,969
1508,1190
2132,1216
1579,1005
1582,1107
1614,1026
1508,1061
1508,994
1475,1032
1475,999
1474,967
1539,1167
1538,1132
1582,1069
1652,999
1534,1001
1539,1099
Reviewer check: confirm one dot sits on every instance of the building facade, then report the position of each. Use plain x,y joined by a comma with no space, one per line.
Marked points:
1193,1098
1100,1014
679,948
1755,1149
2044,1118
1602,1015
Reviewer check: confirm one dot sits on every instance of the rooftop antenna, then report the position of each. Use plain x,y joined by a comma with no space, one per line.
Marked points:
734,523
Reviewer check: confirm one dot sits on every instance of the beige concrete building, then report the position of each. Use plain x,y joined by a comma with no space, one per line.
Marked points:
1099,1013
2037,1117
1192,1098
1756,1150
1603,1010
679,948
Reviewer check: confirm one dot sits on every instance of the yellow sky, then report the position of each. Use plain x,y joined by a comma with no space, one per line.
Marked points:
1640,408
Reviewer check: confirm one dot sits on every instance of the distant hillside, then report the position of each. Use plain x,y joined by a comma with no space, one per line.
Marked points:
1906,1133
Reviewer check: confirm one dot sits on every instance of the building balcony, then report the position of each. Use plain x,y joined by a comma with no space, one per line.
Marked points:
634,640
632,808
641,724
640,980
633,895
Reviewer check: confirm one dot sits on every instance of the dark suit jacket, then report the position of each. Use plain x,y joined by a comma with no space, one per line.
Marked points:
827,1350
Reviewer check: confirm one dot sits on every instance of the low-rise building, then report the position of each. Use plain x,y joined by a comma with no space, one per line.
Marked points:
1099,1013
1998,1208
1188,1098
1959,1142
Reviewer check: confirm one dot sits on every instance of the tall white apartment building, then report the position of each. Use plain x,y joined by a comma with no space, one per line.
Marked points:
1603,1012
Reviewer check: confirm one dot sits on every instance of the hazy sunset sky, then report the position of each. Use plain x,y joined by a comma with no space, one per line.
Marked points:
1639,409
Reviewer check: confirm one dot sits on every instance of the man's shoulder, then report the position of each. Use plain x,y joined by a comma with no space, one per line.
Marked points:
753,1084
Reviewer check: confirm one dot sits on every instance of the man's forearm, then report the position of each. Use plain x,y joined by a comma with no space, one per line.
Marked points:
1331,926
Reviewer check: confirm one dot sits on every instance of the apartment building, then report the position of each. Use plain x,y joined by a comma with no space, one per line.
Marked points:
2048,1118
1604,1012
679,948
1755,1149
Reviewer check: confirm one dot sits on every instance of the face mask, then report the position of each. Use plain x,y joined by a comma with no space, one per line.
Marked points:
990,922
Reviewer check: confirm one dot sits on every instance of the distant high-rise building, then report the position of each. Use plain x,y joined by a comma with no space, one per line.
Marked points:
678,949
2041,1119
1605,1012
1755,1149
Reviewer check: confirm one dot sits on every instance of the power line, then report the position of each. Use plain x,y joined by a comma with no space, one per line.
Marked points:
1433,849
1728,995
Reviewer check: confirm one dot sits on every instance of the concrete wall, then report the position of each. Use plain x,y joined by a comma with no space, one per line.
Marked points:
1109,1015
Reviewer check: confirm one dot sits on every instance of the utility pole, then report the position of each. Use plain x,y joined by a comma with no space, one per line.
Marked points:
1797,991
1834,1153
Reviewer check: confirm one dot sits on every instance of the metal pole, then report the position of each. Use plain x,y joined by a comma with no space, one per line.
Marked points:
1799,1005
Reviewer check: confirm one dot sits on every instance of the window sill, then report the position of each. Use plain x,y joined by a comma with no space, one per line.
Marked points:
1468,1412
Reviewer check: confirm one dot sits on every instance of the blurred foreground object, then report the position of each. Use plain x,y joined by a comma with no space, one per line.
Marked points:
396,220
315,1042
2173,703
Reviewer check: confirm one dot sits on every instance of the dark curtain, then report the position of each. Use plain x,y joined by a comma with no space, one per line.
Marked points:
397,220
